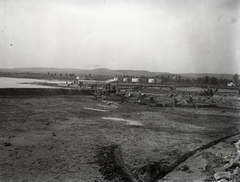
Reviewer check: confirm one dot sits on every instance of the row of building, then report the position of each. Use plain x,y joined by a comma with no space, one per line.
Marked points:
124,79
139,80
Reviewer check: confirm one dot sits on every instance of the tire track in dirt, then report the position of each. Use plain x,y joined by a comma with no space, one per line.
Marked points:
181,159
112,165
113,168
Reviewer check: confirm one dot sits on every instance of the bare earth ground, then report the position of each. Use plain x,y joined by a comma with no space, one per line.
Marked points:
56,138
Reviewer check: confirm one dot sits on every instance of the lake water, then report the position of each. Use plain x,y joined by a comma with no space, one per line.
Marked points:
6,82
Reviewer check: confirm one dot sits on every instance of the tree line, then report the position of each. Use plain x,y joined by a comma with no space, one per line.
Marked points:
205,80
164,79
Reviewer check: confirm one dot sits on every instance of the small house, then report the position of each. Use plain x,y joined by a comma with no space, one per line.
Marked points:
135,80
150,80
125,79
231,84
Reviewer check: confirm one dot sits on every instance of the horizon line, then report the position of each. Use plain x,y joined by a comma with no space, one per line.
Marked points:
119,70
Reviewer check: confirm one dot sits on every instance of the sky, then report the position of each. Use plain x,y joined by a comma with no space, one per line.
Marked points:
176,36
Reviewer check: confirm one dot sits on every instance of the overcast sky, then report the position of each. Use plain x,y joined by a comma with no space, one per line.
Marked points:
175,36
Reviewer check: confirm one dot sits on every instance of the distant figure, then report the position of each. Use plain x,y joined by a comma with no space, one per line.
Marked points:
123,96
130,94
173,100
172,87
190,98
139,95
151,100
215,90
211,92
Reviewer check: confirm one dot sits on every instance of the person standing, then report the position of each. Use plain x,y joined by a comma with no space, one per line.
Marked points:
190,98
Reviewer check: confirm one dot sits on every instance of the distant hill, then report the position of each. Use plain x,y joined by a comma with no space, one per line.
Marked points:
98,71
109,72
196,75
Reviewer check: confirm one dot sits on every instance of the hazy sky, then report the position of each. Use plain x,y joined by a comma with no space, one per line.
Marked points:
156,35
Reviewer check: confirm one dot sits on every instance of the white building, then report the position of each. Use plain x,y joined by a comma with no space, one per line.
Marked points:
231,84
125,79
135,80
150,80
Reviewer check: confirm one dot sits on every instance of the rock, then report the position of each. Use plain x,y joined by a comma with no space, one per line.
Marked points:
222,175
228,165
236,173
237,145
223,180
208,168
185,167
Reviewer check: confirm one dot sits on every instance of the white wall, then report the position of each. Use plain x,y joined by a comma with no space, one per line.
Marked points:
135,79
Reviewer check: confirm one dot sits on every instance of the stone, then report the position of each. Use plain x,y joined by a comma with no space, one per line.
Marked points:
223,180
222,175
236,174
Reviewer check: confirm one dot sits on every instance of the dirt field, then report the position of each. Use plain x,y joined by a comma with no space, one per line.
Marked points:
77,138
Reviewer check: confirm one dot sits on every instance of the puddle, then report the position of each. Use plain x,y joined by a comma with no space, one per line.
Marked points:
110,106
128,121
93,109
